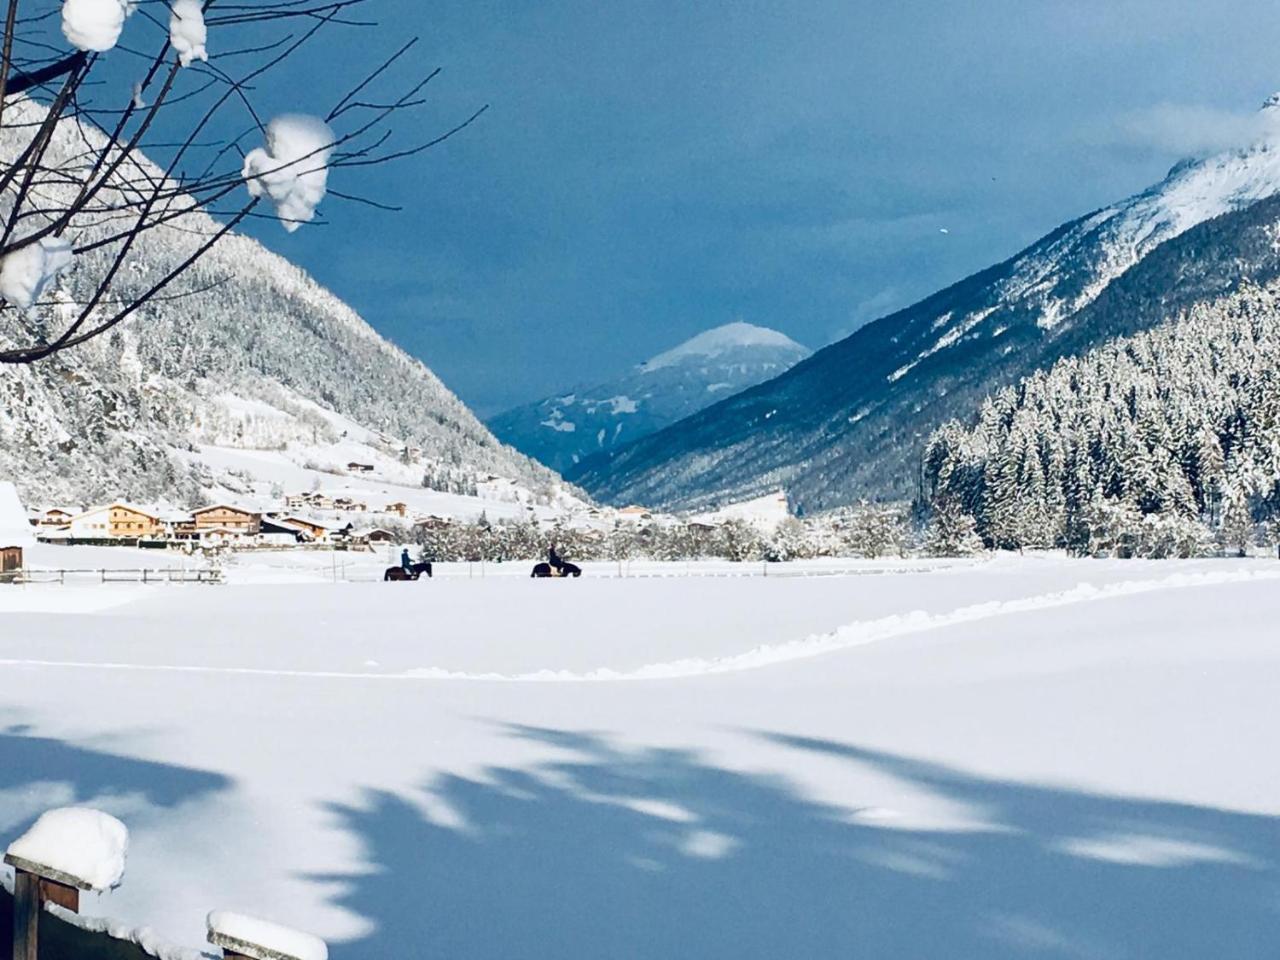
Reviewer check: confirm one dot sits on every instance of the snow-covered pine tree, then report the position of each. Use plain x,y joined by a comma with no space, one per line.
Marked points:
1139,446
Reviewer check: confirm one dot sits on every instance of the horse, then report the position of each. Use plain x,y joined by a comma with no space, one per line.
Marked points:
547,570
415,571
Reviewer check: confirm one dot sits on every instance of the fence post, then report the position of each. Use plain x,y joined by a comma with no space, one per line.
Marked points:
26,915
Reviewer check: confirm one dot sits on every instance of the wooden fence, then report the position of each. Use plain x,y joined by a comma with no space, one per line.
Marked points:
108,575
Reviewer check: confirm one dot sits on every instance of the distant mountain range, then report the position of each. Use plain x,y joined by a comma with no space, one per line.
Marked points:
265,358
849,422
563,430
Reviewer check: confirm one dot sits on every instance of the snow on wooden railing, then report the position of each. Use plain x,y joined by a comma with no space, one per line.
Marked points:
72,849
241,936
65,851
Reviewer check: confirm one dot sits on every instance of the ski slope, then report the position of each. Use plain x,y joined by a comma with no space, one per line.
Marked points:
1032,757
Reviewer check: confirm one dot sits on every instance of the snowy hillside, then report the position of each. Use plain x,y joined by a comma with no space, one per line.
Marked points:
850,421
561,431
264,359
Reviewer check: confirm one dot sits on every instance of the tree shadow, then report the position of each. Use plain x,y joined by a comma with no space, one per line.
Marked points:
657,854
89,773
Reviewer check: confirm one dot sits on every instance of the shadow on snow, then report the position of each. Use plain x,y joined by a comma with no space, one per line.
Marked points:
656,854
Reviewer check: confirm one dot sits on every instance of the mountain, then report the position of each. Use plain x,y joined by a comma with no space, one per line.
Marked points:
1156,444
850,421
562,430
244,351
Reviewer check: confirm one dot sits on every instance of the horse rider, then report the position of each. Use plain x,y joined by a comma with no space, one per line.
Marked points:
553,558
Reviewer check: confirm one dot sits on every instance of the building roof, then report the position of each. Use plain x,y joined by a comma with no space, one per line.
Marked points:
121,505
305,522
15,528
226,506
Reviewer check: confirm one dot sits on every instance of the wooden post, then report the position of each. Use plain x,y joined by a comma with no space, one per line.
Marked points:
26,915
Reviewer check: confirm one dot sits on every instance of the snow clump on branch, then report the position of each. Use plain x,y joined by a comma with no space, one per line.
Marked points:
293,170
26,273
94,25
187,31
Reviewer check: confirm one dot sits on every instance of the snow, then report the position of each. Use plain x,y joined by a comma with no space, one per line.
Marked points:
719,340
15,529
28,272
187,33
766,511
86,845
293,169
1031,756
264,933
94,25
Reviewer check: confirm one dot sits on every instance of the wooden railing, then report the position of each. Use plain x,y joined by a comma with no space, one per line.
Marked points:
109,575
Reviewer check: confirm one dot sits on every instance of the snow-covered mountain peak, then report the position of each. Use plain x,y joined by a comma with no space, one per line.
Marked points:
1066,272
565,429
720,340
1272,102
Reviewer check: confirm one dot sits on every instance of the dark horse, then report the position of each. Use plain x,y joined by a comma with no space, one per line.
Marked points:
413,573
547,570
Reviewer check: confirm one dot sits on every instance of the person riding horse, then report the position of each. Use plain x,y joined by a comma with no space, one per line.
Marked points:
555,560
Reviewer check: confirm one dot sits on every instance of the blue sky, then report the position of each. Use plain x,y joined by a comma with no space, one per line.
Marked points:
650,169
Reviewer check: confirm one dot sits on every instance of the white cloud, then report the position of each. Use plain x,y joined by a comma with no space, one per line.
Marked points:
1187,129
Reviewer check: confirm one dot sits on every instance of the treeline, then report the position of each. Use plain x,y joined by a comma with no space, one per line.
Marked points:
864,531
1162,444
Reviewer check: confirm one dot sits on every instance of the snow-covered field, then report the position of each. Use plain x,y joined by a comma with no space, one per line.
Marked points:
1031,757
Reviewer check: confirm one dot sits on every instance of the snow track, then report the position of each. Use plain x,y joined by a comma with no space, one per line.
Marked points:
852,635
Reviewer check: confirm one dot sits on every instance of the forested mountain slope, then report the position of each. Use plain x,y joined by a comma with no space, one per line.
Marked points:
1173,433
257,359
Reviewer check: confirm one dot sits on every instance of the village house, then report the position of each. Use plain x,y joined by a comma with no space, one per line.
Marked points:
283,533
112,521
93,524
226,517
433,522
224,536
398,508
360,467
177,525
316,531
55,517
297,501
128,522
318,501
348,505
